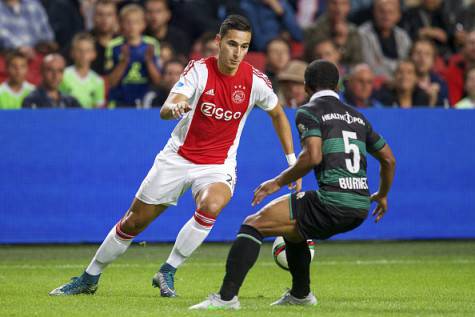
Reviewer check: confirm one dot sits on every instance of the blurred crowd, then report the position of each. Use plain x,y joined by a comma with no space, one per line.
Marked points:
113,53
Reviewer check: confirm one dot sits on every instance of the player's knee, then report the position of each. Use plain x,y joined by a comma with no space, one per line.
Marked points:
211,208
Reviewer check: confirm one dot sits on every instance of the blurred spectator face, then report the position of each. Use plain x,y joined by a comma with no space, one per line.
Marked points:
326,50
52,71
105,18
386,14
405,76
171,73
209,48
83,53
278,55
17,68
470,83
293,92
423,56
469,47
157,14
360,82
166,53
431,5
338,10
132,24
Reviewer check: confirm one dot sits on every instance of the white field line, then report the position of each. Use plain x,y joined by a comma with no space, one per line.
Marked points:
222,263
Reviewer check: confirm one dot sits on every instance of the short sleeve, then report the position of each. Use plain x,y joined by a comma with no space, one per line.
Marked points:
264,96
188,82
307,124
374,142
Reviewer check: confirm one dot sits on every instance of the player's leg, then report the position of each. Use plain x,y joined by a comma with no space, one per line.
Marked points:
210,201
274,219
136,219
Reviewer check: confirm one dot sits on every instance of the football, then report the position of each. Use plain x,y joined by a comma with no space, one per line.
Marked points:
280,257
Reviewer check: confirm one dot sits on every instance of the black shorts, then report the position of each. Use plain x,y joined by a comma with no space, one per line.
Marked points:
318,221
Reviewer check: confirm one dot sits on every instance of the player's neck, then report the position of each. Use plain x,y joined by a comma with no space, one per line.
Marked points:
15,86
223,69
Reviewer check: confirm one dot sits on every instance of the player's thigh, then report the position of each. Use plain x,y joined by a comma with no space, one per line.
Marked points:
213,198
274,219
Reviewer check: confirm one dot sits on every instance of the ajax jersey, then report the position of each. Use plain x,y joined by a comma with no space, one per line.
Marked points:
210,132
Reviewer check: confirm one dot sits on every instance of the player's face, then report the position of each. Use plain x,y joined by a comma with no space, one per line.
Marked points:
232,49
17,70
84,53
132,25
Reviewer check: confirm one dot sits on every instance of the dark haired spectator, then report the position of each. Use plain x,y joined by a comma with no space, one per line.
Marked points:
383,42
334,25
277,58
359,88
158,17
457,69
403,91
171,74
15,88
167,54
24,26
469,101
105,28
47,95
430,21
464,22
65,20
292,84
132,60
207,45
270,19
423,54
327,50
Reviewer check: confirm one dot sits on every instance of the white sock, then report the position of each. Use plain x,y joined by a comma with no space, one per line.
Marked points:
191,236
114,245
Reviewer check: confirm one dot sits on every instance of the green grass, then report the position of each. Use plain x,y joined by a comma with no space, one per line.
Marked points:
349,279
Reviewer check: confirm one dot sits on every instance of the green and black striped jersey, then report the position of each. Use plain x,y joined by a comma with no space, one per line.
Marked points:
347,137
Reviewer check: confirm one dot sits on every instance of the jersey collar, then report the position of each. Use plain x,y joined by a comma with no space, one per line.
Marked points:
324,93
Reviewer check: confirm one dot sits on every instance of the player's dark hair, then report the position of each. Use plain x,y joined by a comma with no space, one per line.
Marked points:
234,22
321,74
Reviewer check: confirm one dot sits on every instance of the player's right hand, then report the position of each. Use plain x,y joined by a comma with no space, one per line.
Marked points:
382,206
179,109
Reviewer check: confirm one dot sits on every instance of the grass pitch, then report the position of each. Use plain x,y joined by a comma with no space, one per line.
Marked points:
349,279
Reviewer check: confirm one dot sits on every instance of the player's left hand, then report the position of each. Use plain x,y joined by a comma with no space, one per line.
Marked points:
264,190
381,208
296,186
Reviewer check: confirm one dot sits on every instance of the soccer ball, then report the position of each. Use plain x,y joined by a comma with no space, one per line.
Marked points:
280,257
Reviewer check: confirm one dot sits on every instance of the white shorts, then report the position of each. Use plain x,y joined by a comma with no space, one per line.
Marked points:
172,175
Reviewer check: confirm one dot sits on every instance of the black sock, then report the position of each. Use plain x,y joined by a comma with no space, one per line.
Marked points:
298,258
241,258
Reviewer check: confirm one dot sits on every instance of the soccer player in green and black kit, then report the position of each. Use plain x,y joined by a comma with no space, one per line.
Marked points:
335,140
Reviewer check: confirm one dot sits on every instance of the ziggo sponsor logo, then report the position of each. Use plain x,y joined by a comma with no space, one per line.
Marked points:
211,110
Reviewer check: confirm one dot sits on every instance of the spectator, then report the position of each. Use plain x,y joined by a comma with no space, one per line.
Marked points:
457,68
132,60
423,54
208,45
292,85
104,30
167,54
464,22
15,88
469,101
270,19
404,91
325,49
334,25
24,26
383,42
277,58
171,74
79,80
429,20
47,95
158,16
65,20
360,88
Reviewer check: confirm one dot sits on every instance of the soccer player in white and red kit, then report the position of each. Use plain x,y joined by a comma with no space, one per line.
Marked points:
212,99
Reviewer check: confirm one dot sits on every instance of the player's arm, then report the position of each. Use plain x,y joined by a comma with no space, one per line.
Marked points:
282,128
175,106
309,157
386,175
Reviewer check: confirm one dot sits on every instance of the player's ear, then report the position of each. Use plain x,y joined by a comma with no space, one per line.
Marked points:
218,39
